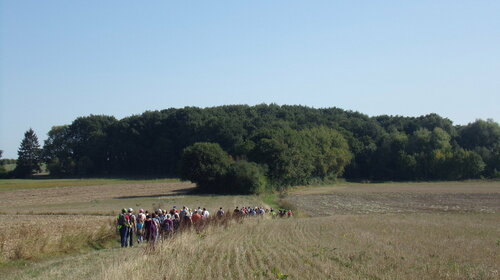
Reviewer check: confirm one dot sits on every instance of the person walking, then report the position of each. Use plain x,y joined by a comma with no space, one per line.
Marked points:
220,213
123,227
176,221
196,217
132,227
205,214
140,219
167,227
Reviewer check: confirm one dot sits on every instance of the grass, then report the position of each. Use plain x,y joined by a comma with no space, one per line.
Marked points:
36,237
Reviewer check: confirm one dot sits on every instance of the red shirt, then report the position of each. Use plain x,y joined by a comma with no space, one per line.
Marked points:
196,217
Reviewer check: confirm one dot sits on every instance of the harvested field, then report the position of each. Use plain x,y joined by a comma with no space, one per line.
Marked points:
108,199
390,246
399,198
59,195
354,231
16,184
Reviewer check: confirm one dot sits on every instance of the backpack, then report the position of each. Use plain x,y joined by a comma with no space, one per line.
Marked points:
122,220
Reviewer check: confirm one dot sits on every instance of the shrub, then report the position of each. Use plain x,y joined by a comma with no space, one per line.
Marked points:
205,164
246,178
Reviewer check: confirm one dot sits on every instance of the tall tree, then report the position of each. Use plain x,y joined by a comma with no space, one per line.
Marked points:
29,155
2,168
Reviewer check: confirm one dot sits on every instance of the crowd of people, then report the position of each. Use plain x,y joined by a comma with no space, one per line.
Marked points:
161,224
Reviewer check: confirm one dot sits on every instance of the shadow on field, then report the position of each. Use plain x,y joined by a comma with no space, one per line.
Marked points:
172,193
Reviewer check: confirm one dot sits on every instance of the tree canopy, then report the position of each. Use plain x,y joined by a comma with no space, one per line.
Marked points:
290,144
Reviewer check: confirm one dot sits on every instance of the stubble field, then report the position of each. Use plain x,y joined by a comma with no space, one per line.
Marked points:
353,231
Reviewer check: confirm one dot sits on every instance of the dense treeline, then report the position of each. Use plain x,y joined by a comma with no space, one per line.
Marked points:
291,144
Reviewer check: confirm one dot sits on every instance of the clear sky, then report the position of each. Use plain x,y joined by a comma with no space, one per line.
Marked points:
63,59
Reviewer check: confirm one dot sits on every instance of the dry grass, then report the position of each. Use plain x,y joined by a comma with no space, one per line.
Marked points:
413,246
31,237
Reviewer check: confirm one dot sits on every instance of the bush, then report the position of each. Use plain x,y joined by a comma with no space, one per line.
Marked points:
213,171
205,164
245,178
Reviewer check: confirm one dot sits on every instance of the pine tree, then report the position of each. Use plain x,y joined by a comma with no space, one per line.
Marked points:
29,155
2,168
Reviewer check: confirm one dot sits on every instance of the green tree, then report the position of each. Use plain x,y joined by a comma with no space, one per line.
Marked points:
205,164
57,152
464,165
29,155
245,178
2,168
330,151
295,157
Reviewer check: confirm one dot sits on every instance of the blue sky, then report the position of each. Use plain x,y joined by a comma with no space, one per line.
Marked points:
63,59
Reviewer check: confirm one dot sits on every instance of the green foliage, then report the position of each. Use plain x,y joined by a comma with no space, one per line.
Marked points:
29,155
2,168
245,178
295,157
295,144
205,164
57,152
213,171
278,275
329,150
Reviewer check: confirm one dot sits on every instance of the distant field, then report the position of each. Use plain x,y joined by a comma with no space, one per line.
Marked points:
460,197
108,198
17,184
442,230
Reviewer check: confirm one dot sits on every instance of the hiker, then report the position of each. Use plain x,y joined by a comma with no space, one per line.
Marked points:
289,214
167,226
173,211
183,213
220,213
122,226
236,211
205,214
156,221
186,219
161,216
176,221
132,226
140,219
151,228
196,217
273,213
281,213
